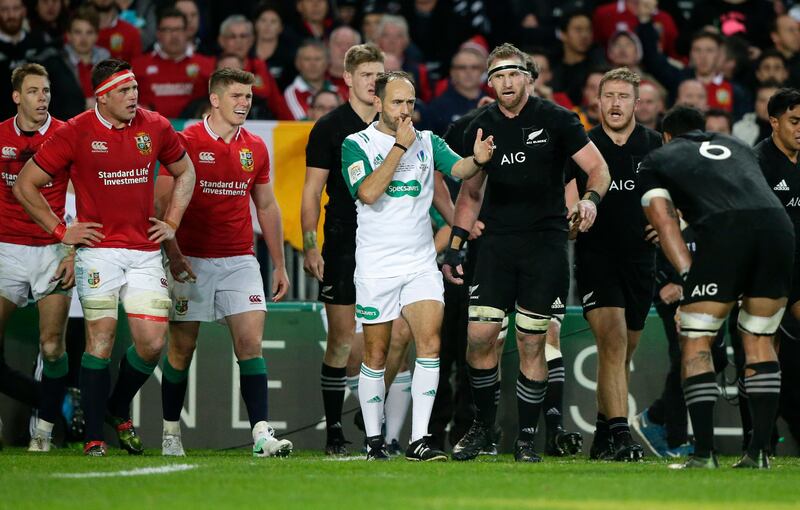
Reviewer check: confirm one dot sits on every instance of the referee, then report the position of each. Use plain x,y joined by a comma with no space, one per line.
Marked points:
522,263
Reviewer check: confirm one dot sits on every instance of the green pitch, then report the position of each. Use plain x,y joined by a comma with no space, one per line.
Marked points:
207,479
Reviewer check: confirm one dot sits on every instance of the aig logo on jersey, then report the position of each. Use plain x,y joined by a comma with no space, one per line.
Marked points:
705,289
246,159
143,143
534,136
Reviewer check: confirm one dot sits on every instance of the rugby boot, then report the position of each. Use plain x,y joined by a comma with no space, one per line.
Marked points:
697,462
95,449
421,450
477,439
560,443
627,450
129,440
376,449
524,452
761,461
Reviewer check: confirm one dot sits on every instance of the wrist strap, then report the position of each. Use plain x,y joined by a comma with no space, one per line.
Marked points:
478,163
309,240
171,224
458,237
60,231
401,147
592,196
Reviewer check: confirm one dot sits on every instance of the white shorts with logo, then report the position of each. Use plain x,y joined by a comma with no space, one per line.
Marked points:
225,286
381,299
121,273
30,270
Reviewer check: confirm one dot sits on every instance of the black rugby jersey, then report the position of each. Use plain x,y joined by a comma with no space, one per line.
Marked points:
620,222
707,174
783,178
525,177
324,150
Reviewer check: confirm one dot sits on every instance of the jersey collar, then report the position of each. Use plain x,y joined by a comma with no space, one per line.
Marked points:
42,130
104,122
157,50
215,136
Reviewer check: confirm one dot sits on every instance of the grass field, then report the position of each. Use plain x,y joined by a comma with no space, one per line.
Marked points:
232,479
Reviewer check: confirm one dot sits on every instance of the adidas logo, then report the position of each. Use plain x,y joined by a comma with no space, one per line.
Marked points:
553,412
375,400
529,430
781,186
430,393
557,303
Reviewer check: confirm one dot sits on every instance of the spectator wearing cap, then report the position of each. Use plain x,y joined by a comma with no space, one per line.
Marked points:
462,94
746,18
620,15
119,37
754,126
341,40
236,37
311,63
577,58
393,39
274,45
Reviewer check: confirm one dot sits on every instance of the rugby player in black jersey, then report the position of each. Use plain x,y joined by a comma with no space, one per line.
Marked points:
745,248
522,261
614,264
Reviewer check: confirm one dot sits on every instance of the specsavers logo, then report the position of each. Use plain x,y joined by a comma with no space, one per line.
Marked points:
367,312
398,189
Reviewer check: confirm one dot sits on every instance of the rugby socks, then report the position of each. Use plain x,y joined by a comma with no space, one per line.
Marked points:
397,400
619,428
133,373
530,396
601,430
423,393
352,384
95,385
333,381
744,413
54,386
173,390
253,385
554,398
700,393
372,396
483,382
19,386
763,393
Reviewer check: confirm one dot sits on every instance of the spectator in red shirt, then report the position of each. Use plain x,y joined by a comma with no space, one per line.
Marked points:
315,20
621,15
393,39
311,63
236,36
274,45
172,75
119,37
341,40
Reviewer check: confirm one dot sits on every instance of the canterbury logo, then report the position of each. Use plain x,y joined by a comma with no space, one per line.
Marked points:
99,146
9,152
164,282
255,299
206,157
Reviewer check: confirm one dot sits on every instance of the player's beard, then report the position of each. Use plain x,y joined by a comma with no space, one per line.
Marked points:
616,126
513,102
389,122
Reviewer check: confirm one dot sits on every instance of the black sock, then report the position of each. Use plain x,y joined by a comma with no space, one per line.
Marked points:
19,386
497,392
554,399
54,386
601,427
701,393
173,390
95,384
744,413
253,384
334,382
763,393
483,383
619,429
133,373
530,395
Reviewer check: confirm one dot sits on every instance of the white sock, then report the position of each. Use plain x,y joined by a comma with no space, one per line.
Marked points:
371,396
172,428
352,383
423,393
44,426
396,407
260,429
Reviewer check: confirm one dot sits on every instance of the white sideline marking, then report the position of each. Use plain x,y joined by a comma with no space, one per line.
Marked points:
129,472
346,459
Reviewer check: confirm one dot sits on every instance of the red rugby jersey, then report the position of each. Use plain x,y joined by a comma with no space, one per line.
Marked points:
121,39
217,222
168,86
113,171
17,227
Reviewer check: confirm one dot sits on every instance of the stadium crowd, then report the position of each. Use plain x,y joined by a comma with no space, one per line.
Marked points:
728,59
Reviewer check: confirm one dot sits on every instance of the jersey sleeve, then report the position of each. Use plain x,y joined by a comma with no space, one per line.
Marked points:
318,150
443,156
573,136
56,153
171,147
262,174
355,165
650,182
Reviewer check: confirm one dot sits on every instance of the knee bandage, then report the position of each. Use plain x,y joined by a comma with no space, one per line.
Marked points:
486,314
99,307
530,323
147,305
696,325
551,353
557,317
760,326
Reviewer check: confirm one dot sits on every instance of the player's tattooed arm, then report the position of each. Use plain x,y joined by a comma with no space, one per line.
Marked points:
662,215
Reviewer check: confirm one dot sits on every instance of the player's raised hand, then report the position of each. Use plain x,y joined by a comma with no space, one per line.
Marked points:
66,272
160,231
313,264
181,269
85,233
405,133
483,149
280,284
